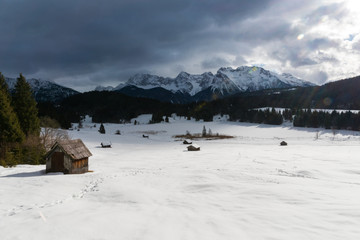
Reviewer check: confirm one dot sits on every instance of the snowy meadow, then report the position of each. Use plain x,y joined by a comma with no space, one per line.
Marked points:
246,187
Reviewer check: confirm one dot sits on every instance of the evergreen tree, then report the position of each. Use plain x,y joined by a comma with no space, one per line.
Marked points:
204,132
25,107
102,129
10,130
3,85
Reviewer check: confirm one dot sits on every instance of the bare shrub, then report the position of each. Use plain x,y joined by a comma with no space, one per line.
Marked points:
200,136
51,132
51,135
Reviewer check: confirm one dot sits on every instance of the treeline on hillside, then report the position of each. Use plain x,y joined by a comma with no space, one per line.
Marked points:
115,107
112,107
303,118
328,120
300,117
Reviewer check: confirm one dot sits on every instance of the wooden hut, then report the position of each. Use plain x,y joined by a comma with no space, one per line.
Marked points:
106,144
283,143
69,157
193,147
187,141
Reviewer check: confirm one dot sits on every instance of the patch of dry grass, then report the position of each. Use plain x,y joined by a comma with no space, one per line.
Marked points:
151,132
206,137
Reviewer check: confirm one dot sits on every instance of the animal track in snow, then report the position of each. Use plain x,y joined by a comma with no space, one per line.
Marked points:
92,186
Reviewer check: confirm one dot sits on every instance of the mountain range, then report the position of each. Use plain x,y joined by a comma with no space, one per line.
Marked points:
184,88
44,91
187,87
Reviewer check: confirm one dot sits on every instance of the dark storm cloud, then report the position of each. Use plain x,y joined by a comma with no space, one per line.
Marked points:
84,43
65,38
294,56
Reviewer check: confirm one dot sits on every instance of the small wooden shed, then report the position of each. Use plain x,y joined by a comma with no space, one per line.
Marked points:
69,157
106,144
187,141
193,147
283,143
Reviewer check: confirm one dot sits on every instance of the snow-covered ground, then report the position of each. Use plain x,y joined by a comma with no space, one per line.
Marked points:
247,187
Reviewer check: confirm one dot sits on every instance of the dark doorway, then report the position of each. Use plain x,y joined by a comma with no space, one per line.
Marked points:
57,162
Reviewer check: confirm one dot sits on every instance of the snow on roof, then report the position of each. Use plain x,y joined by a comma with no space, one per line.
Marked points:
194,145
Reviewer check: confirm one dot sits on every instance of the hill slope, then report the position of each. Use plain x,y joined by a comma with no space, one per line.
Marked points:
44,91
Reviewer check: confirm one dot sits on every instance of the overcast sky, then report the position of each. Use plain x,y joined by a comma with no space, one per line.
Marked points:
85,43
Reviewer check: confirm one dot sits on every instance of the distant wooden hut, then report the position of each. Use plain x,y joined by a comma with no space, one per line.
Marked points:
283,143
193,147
69,157
106,144
187,141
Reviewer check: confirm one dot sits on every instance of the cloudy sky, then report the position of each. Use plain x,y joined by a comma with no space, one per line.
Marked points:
85,43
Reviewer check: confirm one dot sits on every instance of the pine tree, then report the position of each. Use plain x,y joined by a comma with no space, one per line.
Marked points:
102,129
25,107
3,85
204,132
10,130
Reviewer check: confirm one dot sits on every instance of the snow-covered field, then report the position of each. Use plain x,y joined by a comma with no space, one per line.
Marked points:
247,187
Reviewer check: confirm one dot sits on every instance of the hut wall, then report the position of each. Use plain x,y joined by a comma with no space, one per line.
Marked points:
80,166
67,164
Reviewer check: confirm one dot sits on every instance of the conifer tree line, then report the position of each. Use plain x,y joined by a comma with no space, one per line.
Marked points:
115,107
19,125
299,117
328,120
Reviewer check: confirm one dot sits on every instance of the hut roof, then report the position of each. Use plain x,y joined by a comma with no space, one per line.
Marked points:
194,145
76,149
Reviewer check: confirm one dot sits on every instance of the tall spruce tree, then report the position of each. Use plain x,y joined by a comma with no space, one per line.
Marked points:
25,107
3,85
10,130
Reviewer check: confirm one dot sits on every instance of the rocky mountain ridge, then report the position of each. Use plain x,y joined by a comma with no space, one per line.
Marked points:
226,81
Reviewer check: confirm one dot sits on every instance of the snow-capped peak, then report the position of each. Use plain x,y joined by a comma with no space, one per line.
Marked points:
256,78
